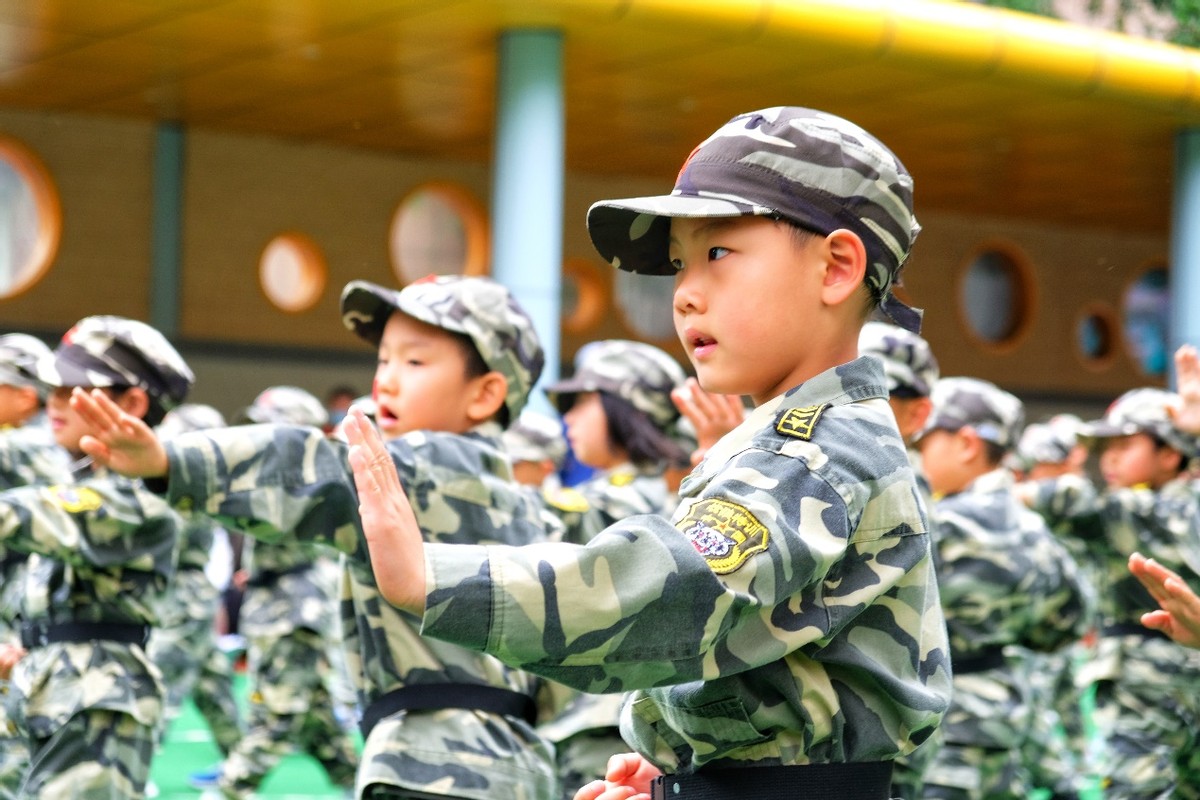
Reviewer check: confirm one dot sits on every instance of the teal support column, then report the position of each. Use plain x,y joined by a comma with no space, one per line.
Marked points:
166,234
527,188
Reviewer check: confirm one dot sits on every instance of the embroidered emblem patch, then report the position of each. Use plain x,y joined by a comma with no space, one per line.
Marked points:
725,533
800,422
621,478
569,500
75,500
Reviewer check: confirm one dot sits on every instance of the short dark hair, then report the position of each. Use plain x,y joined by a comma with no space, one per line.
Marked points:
476,367
632,430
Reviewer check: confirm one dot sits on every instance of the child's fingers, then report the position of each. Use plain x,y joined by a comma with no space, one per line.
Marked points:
95,448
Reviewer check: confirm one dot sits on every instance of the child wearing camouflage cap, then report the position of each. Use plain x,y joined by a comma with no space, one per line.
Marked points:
537,447
782,633
457,360
620,420
1006,585
1147,710
102,554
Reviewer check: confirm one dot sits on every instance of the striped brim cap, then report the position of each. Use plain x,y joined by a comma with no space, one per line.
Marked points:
809,167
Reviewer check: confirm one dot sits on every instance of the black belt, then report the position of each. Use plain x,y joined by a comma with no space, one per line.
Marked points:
434,696
981,662
1132,629
860,780
40,634
269,577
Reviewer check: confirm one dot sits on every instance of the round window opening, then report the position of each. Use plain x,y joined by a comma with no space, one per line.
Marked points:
292,272
438,229
1146,306
645,303
994,297
30,219
1095,336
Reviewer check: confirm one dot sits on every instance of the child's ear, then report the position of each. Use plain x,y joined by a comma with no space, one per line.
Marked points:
487,395
845,266
134,401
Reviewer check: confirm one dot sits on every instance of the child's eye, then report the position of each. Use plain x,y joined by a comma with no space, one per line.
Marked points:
716,253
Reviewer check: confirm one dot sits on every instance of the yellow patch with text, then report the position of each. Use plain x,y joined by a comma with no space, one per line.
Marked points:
800,422
725,533
565,499
75,500
621,478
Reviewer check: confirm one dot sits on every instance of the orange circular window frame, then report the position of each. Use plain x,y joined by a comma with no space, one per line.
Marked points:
313,269
1109,318
591,296
30,169
471,215
1025,298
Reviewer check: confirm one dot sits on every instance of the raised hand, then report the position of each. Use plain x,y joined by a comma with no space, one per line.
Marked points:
1187,386
118,440
1179,615
393,535
712,415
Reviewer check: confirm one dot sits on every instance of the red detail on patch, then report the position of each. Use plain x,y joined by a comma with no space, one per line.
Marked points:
69,336
687,161
430,278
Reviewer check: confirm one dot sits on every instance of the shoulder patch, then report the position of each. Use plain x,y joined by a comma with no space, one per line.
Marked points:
621,478
567,499
76,500
725,533
800,422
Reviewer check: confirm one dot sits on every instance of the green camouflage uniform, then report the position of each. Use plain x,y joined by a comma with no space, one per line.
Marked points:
184,643
280,482
28,456
102,553
1147,707
584,727
764,625
1005,581
911,370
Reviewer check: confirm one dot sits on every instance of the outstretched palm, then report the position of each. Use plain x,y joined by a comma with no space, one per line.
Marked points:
116,439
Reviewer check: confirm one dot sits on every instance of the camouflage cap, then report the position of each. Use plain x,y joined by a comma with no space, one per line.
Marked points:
1143,411
20,354
189,417
106,351
991,412
536,437
809,167
907,359
1049,442
638,373
480,308
285,405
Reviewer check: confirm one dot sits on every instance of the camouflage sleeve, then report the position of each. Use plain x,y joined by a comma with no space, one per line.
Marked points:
1072,501
271,482
25,460
101,522
647,603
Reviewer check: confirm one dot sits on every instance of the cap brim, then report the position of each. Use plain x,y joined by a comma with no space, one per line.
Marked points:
1101,429
366,308
56,371
632,234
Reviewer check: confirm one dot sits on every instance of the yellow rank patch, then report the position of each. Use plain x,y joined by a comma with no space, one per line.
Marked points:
725,533
567,499
621,478
76,500
800,422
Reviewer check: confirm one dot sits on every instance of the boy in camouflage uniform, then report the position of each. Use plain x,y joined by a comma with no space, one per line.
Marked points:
287,617
911,371
783,635
620,421
28,455
457,359
1147,708
1005,582
103,549
184,643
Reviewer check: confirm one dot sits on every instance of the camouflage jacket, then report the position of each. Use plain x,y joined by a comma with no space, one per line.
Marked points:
285,593
1163,525
286,483
102,549
605,498
1005,580
789,614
